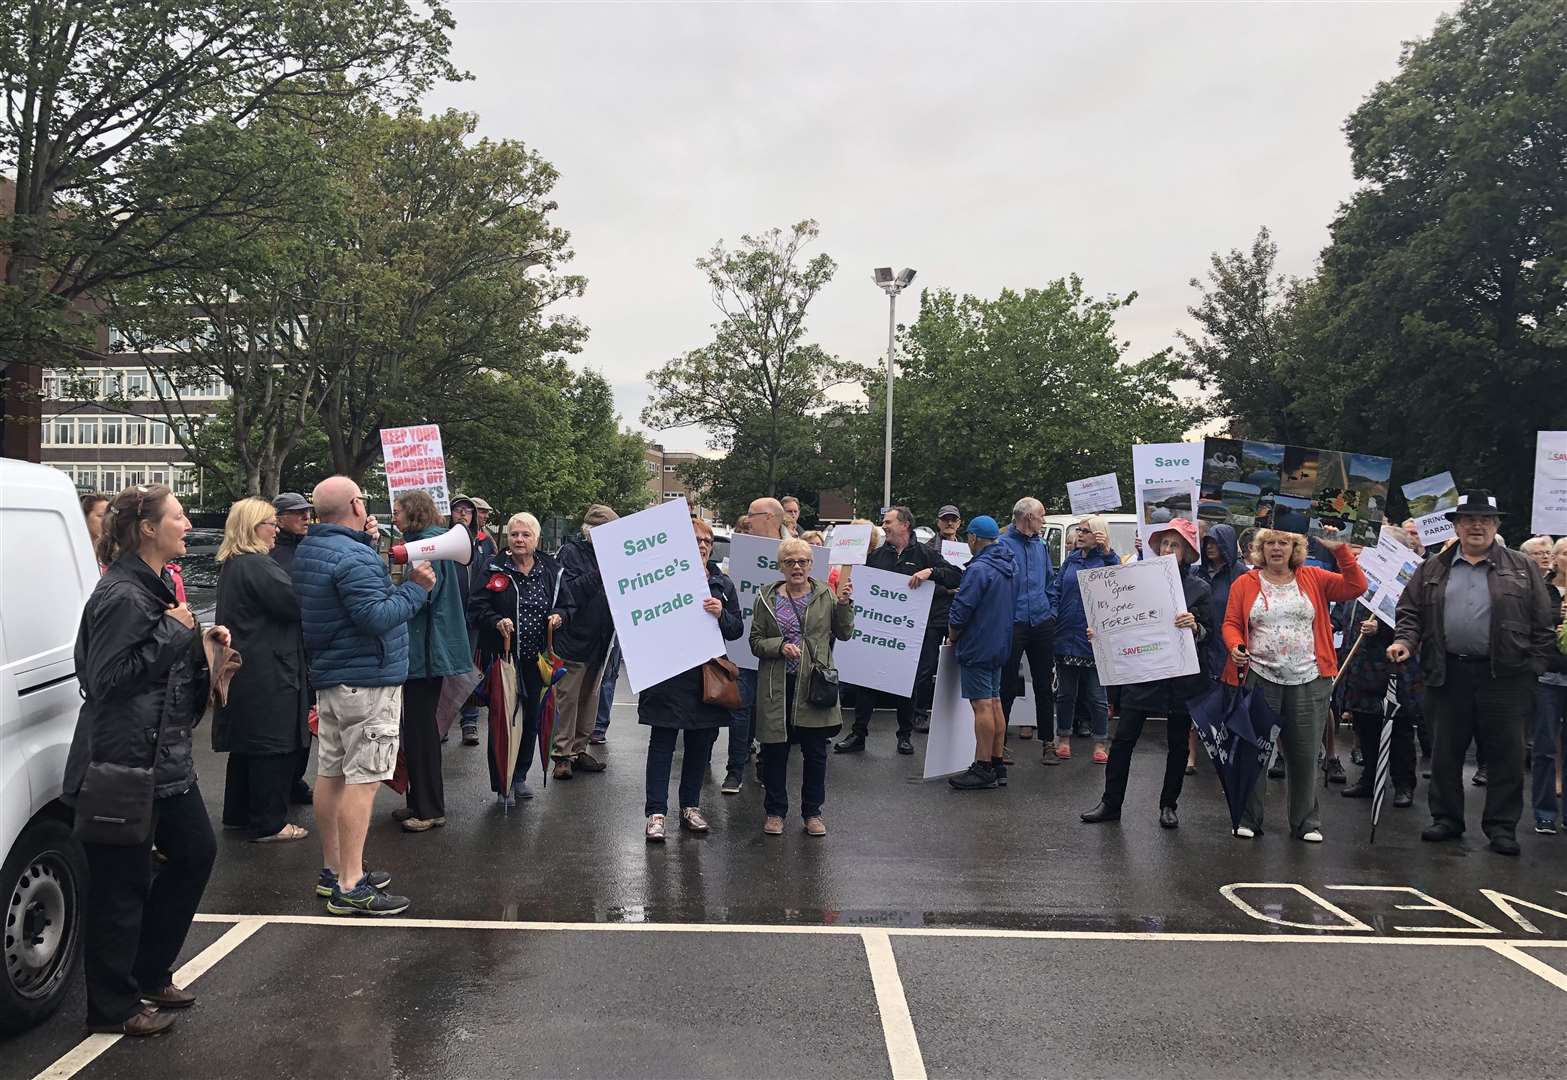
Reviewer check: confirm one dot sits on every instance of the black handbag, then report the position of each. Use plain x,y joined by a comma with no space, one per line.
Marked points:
821,683
115,802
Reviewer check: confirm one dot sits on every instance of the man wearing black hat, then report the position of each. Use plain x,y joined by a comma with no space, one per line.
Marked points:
293,522
1479,617
947,521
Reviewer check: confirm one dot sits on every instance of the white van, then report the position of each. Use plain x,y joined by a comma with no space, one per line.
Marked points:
47,571
1123,535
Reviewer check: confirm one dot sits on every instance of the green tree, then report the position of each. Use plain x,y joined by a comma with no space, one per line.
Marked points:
99,94
759,388
1009,397
1441,314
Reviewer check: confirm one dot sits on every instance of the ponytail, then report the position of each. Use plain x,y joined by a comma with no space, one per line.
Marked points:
122,523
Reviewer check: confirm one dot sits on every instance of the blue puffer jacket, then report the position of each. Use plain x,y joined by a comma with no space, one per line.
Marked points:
980,615
438,635
1071,637
1033,577
355,620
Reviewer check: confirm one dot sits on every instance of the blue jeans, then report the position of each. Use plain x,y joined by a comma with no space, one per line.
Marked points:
693,767
740,722
1079,686
607,689
1550,704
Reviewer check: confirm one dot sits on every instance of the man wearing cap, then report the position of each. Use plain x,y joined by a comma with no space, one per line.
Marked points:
293,522
947,521
900,554
981,631
1479,618
471,511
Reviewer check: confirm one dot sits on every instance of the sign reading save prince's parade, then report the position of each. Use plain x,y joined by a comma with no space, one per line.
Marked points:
655,583
883,652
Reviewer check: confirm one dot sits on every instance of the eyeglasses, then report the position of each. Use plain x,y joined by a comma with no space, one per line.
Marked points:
794,562
704,541
273,524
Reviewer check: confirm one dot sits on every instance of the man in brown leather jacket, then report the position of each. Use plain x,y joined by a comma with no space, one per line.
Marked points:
1479,616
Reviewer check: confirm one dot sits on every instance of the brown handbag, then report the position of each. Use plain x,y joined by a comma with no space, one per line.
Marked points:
721,683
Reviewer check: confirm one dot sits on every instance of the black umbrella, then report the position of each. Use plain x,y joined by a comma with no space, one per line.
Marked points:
1238,729
1390,709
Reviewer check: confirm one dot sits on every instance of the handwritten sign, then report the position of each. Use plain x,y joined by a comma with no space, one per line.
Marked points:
1550,484
415,462
849,545
1131,609
655,583
889,629
753,564
1094,495
1165,477
956,552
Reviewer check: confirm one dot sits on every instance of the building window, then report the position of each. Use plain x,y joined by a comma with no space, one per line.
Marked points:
135,432
136,386
87,479
87,431
157,476
668,495
111,482
53,385
669,468
111,433
158,433
62,432
135,476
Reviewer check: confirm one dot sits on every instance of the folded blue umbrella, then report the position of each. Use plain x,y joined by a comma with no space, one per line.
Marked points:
1238,729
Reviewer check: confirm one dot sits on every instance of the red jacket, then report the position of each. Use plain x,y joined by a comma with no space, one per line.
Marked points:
1321,587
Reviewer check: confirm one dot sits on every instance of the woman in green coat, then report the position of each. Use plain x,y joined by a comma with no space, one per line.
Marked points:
795,623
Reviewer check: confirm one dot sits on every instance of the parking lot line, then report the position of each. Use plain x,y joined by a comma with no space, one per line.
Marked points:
1556,978
897,1026
89,1049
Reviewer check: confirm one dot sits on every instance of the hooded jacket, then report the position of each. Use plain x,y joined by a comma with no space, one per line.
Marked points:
438,635
141,672
981,614
1219,576
1071,638
1034,573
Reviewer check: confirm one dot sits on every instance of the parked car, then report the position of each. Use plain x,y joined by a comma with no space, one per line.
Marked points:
47,571
1123,534
199,569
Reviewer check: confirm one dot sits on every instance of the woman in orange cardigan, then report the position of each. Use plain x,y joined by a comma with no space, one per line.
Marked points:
1278,631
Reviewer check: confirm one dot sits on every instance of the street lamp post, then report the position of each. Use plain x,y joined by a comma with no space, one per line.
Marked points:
892,285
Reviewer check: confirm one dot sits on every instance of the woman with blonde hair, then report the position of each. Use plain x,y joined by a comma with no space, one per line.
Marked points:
264,726
1279,631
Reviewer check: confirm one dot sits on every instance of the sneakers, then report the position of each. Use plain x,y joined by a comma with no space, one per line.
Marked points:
691,819
978,777
654,833
562,770
417,825
365,899
1244,833
586,762
470,735
1313,836
1545,828
734,779
326,882
598,738
999,767
773,826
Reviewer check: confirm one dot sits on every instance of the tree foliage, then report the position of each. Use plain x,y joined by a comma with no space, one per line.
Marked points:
759,387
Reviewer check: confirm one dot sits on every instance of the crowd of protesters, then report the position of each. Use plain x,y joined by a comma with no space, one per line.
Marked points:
331,645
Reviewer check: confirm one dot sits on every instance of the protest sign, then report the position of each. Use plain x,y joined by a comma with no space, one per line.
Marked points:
655,582
949,747
1550,485
883,653
1429,500
1132,608
1094,495
415,462
1388,568
1295,488
849,545
1164,484
956,552
753,564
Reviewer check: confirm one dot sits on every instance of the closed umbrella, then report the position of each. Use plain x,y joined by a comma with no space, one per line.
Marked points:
552,669
1390,708
1238,729
505,730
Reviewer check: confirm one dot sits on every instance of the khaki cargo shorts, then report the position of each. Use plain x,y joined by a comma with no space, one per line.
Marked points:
358,732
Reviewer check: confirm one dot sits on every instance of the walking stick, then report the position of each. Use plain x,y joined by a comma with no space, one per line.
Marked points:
1349,657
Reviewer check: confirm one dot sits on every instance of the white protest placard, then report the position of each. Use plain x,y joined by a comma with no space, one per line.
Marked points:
1131,609
849,545
1025,712
655,583
1429,500
1165,478
949,748
415,462
1095,494
1550,485
1388,568
956,552
753,564
883,652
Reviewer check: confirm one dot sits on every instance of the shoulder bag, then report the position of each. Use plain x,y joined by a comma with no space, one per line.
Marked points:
115,802
821,683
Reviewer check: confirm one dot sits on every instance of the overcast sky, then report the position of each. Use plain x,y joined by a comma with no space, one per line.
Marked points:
985,145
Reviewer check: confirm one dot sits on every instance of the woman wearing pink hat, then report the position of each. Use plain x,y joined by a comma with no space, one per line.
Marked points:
1162,697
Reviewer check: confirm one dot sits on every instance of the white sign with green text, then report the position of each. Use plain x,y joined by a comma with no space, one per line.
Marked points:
753,565
883,653
655,583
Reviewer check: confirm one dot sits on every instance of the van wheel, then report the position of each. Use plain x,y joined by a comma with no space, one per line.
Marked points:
43,885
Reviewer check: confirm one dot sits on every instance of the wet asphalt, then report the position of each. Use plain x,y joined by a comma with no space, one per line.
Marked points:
453,1001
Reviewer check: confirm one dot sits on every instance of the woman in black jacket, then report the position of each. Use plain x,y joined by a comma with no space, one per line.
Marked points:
1162,697
676,705
143,674
518,600
265,725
